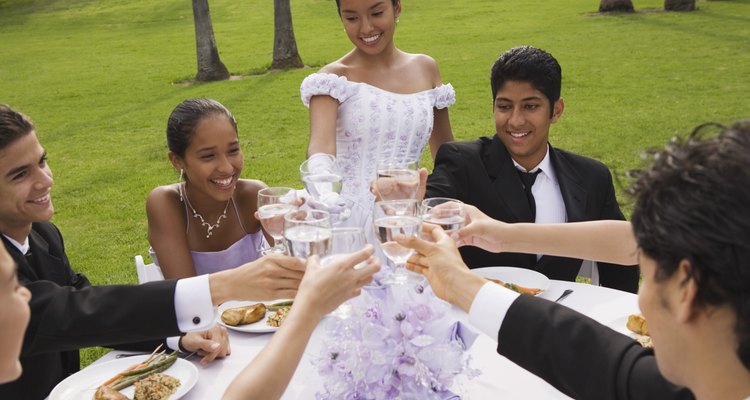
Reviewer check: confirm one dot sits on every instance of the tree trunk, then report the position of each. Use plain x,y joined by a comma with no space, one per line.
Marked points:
679,5
616,5
285,54
210,67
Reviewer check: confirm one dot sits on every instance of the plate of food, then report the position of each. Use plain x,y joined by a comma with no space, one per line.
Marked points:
633,325
521,280
247,316
177,379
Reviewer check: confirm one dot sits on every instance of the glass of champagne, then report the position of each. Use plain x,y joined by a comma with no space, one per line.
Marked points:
307,232
273,203
344,241
444,211
391,218
397,180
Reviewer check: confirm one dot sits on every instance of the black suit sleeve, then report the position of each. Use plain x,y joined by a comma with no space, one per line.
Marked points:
579,356
616,276
65,318
446,179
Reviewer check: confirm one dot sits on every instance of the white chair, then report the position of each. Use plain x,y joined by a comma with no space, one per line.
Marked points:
147,272
589,269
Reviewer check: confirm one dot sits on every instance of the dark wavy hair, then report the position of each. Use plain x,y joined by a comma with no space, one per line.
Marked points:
185,118
528,64
338,4
13,126
692,204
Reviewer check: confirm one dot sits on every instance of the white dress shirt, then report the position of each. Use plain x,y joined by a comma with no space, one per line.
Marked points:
550,207
489,307
192,302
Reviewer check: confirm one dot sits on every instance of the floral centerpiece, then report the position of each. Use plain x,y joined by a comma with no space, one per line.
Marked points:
399,343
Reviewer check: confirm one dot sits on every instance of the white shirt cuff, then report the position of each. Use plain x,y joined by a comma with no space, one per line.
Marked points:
192,304
173,343
489,307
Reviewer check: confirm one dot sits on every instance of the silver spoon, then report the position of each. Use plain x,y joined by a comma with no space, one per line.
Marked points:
565,294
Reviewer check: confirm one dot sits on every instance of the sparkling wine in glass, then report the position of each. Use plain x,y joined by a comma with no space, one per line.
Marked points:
344,241
443,211
391,218
307,232
273,203
397,180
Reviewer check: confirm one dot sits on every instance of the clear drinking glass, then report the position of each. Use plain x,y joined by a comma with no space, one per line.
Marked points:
321,176
273,203
391,218
444,211
344,241
397,180
307,232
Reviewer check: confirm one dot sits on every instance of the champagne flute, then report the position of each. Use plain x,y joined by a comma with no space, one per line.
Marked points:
444,211
344,241
273,203
397,180
307,232
391,218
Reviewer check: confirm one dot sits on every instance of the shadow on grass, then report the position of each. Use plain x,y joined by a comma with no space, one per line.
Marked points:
265,70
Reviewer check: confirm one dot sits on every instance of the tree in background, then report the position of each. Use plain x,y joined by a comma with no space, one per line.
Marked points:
210,67
679,5
616,5
285,54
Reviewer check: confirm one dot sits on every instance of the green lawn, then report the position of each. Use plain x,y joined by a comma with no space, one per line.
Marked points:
98,78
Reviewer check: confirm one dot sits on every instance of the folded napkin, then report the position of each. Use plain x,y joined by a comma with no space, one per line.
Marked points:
462,334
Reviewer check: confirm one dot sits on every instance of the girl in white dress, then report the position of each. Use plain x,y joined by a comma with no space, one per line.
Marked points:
376,102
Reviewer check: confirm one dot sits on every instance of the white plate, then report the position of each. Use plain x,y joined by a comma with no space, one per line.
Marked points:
83,384
256,327
519,276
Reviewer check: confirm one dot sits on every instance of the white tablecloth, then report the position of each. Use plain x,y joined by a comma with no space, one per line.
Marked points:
500,379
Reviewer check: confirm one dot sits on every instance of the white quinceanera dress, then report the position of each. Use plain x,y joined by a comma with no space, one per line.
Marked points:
374,124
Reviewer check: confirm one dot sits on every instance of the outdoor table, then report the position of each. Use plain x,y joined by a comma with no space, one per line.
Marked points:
500,377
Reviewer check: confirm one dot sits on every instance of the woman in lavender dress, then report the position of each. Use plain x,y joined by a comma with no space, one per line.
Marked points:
206,223
376,102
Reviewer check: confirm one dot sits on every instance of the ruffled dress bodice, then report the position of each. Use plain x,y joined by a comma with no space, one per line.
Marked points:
374,124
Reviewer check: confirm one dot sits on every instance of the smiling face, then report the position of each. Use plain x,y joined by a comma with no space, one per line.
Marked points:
14,316
522,121
25,185
213,160
370,24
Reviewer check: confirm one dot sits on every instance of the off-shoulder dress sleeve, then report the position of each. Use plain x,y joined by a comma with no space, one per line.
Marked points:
444,96
324,84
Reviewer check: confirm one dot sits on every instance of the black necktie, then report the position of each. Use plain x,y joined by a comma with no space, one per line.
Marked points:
528,178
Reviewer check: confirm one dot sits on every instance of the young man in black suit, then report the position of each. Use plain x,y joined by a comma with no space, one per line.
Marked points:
561,186
689,232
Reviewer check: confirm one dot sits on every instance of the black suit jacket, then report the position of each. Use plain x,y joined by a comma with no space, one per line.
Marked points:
579,356
67,314
481,173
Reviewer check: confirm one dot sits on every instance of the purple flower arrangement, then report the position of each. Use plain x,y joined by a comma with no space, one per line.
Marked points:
400,342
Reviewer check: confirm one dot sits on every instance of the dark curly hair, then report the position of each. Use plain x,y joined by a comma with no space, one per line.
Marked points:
692,204
185,118
13,126
528,64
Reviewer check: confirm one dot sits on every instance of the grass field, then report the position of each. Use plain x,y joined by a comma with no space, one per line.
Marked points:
99,79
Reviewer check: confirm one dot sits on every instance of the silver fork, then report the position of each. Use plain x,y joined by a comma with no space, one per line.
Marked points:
565,294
